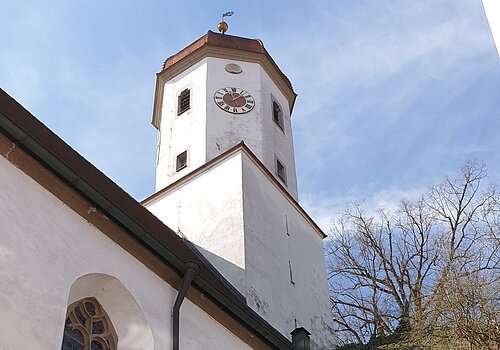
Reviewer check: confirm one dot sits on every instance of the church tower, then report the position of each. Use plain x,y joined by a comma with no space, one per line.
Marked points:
214,94
226,180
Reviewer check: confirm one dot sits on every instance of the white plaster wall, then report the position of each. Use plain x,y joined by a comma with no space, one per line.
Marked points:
45,247
269,249
132,328
277,142
492,10
225,130
256,128
208,210
207,131
236,216
183,132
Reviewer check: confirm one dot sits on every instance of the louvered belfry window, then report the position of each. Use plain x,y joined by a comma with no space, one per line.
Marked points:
184,102
88,327
278,115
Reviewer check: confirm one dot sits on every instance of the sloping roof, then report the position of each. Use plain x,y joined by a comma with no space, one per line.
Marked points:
228,42
220,158
220,46
59,158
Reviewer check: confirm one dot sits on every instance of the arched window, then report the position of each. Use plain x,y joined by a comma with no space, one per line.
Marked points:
88,327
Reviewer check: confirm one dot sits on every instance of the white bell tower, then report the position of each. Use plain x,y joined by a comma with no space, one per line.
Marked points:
191,119
226,180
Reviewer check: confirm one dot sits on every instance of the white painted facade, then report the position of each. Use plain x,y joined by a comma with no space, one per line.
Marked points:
50,257
254,234
492,11
215,199
206,131
239,218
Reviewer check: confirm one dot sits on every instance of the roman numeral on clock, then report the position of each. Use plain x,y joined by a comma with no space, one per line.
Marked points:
234,100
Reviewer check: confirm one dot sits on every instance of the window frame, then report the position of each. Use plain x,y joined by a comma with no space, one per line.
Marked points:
84,321
181,110
278,116
280,174
183,166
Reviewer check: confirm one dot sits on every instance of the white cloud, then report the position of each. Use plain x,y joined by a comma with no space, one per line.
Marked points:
378,57
382,86
358,66
325,208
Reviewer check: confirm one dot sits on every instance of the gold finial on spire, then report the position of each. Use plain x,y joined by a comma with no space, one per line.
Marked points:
222,26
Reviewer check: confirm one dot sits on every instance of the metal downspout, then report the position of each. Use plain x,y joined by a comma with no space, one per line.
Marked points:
191,269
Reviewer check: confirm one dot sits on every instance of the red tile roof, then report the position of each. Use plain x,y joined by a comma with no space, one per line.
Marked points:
224,41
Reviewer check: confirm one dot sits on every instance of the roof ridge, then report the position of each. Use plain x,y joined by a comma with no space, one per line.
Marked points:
55,155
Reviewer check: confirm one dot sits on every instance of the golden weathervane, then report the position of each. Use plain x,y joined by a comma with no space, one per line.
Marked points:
222,26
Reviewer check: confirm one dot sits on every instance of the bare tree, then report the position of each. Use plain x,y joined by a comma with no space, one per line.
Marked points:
394,272
378,269
464,304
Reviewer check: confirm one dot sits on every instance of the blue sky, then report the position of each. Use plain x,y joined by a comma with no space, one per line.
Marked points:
393,95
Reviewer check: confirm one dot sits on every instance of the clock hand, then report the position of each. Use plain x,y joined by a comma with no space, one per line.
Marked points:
239,96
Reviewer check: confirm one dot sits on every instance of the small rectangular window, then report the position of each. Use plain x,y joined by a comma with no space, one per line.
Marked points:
181,161
278,115
280,170
184,101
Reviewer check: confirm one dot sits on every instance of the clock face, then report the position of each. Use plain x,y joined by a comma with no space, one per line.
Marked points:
234,100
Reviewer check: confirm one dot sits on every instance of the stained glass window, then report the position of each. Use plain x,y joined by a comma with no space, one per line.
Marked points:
88,327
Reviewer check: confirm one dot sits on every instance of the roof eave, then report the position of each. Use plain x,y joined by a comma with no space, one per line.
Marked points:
41,143
220,158
206,46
